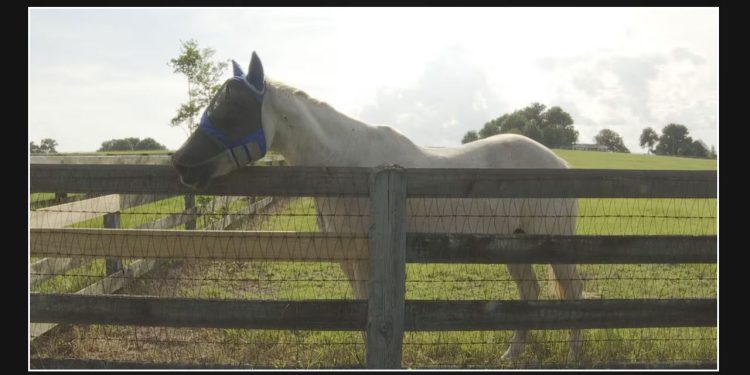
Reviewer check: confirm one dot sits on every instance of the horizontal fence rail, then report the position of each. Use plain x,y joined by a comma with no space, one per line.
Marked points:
140,184
352,315
229,245
420,247
510,249
349,181
70,363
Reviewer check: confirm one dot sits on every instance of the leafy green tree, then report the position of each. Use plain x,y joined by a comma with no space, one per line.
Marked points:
712,153
516,120
534,112
533,131
612,140
552,127
697,149
648,139
149,144
470,136
46,146
131,144
556,116
674,140
203,81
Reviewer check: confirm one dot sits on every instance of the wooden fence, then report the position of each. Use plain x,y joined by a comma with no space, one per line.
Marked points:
386,315
109,208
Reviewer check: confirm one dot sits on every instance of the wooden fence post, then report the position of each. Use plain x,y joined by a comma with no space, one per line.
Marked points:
387,279
112,220
189,205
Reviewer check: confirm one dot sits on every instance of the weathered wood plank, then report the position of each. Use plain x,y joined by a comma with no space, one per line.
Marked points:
193,312
231,245
557,314
143,159
352,315
107,285
387,276
350,181
161,179
170,221
74,363
420,247
70,213
560,183
606,365
133,200
112,265
523,249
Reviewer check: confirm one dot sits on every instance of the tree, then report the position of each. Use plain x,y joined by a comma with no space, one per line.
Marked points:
551,127
470,136
534,112
674,140
516,120
131,144
649,139
612,140
556,116
203,81
489,129
149,144
46,146
533,131
712,153
697,149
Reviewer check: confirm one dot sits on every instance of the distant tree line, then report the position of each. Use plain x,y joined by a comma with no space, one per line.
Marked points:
46,146
675,141
551,127
131,144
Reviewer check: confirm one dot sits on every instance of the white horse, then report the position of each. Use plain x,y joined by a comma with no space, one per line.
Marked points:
251,114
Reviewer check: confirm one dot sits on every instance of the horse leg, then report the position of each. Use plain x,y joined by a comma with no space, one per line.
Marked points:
528,289
357,272
570,286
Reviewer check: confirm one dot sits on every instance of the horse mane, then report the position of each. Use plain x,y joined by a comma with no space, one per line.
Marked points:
293,91
318,105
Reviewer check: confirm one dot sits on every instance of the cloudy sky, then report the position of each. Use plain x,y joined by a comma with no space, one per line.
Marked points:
432,74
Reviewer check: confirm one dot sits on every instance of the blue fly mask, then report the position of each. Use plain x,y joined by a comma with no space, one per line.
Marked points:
230,133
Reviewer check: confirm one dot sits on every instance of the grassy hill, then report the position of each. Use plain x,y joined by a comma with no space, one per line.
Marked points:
616,160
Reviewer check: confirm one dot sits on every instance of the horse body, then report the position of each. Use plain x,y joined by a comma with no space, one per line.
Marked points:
308,132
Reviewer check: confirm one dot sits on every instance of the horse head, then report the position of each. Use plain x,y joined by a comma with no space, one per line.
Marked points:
231,133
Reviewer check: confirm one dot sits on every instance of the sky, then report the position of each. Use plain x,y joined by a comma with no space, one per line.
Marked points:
432,74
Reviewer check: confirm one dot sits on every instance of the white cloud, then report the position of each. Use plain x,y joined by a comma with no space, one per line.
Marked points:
433,74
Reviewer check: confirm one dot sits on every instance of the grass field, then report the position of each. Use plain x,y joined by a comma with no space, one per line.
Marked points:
298,280
616,160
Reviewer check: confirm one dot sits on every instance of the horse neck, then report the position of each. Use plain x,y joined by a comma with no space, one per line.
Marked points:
311,133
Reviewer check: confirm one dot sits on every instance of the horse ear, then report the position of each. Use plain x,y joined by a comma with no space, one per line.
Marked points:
237,69
255,75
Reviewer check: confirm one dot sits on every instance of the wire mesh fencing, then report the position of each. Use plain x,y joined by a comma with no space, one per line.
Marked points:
284,246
